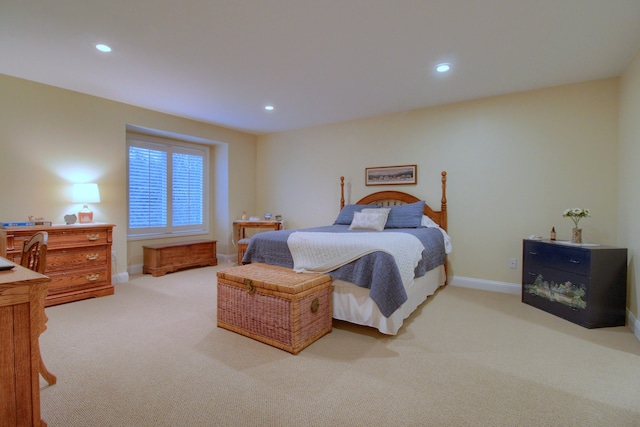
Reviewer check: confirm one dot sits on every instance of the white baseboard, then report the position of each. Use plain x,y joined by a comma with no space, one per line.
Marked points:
634,324
135,269
227,259
120,278
486,285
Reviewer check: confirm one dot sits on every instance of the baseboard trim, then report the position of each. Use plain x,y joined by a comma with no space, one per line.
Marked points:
486,285
135,269
634,324
225,258
120,277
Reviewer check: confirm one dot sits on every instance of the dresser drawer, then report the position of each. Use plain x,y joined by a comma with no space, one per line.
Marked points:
561,257
74,258
69,280
70,237
563,287
64,238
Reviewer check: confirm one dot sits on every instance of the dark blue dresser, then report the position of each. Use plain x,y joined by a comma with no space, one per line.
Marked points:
586,285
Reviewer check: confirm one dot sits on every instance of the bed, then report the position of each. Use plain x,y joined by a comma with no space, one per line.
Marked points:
386,254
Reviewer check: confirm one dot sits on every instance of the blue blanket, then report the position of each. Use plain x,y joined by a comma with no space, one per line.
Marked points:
376,271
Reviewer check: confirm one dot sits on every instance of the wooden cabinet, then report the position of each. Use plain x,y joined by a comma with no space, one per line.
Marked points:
169,257
586,285
22,319
78,259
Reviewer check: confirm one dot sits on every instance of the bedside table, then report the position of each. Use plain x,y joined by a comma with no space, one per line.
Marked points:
242,225
241,237
586,285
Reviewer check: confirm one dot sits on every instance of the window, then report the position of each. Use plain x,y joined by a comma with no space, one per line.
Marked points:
168,187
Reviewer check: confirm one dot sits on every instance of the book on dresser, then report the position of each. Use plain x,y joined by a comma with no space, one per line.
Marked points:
78,259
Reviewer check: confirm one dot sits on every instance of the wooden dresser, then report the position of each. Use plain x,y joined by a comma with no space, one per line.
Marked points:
22,319
78,259
586,285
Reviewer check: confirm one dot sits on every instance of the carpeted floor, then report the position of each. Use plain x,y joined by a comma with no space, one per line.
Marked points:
151,355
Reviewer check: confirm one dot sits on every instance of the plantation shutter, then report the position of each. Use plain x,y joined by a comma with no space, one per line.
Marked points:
167,188
147,188
187,189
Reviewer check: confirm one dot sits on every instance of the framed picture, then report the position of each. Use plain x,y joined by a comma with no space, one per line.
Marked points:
392,175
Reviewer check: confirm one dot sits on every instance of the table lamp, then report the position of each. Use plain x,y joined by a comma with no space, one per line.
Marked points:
85,194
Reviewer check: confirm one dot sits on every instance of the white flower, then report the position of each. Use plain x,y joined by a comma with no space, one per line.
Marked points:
576,214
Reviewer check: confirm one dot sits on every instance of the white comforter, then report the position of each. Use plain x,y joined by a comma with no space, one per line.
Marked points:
322,252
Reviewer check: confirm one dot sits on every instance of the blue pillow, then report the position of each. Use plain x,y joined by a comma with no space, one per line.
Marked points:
345,217
405,216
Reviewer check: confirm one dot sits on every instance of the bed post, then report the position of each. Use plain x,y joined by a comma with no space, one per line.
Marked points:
443,202
341,192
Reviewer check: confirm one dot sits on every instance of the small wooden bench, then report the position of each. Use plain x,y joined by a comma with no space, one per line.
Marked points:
169,257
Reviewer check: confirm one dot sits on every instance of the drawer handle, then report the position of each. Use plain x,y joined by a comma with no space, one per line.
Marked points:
533,253
93,277
315,304
92,257
574,261
93,236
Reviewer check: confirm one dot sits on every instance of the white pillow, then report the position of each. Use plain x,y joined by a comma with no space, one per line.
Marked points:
379,211
384,211
428,222
369,220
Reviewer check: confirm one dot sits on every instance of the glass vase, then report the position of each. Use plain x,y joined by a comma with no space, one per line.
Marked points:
576,235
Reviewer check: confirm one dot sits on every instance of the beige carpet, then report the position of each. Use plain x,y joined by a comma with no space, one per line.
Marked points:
151,355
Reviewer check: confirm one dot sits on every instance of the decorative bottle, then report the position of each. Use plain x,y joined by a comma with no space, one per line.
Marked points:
244,215
553,233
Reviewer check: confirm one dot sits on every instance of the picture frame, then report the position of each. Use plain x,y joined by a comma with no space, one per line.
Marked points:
392,175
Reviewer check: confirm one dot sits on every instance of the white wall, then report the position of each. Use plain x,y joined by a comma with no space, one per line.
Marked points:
629,178
514,163
51,137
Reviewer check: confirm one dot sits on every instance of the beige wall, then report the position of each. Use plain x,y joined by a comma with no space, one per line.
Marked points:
51,137
515,162
629,178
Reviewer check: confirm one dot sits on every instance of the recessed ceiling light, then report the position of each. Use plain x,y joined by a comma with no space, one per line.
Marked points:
103,48
443,68
268,107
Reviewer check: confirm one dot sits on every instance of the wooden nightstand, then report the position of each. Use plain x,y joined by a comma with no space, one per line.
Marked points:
586,285
242,225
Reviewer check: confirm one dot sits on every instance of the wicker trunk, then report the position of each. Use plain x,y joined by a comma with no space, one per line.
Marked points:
275,305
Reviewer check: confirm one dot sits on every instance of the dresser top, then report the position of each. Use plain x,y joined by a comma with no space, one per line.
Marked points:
568,244
57,227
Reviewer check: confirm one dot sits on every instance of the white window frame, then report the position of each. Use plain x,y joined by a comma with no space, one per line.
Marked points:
170,146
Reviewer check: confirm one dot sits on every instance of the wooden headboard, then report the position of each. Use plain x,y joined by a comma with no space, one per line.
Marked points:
390,198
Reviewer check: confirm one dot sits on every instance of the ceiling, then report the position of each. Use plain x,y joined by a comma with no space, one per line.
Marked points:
316,61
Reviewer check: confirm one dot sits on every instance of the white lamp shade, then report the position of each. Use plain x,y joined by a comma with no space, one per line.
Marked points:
86,193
